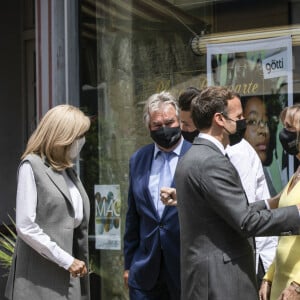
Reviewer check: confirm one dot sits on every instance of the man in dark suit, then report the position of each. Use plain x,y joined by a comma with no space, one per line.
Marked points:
216,222
151,240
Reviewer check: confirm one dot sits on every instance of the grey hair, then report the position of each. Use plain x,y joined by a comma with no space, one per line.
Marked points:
154,103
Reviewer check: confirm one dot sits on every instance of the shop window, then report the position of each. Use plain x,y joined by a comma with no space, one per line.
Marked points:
132,49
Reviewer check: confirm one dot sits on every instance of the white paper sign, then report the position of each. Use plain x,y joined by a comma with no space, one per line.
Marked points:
107,217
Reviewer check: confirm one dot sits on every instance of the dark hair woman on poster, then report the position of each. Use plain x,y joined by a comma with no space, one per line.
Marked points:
262,121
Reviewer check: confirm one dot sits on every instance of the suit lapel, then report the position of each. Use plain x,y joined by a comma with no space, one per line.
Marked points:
148,158
59,182
71,172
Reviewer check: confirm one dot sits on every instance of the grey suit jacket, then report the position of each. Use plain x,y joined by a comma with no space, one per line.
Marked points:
33,276
217,225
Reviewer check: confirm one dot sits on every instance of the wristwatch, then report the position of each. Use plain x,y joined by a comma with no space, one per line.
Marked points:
296,286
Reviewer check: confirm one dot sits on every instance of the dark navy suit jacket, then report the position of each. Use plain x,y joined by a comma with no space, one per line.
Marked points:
146,234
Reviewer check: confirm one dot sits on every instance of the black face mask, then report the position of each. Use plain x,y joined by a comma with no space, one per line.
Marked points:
289,141
235,138
166,137
190,135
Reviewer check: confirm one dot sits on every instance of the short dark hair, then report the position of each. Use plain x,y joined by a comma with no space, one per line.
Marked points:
186,97
213,99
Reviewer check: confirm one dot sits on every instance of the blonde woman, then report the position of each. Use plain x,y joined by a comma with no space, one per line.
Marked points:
52,213
282,280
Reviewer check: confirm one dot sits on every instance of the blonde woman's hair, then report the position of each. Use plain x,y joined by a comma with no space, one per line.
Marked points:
292,114
55,133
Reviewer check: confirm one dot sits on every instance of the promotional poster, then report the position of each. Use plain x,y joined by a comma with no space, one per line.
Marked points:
261,72
107,217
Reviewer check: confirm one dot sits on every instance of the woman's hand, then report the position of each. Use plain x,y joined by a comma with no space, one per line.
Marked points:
78,268
290,293
265,290
273,202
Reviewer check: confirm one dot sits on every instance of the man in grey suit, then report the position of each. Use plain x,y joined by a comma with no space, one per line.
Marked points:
216,221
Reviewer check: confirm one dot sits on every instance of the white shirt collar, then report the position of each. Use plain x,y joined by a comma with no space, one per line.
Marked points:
213,140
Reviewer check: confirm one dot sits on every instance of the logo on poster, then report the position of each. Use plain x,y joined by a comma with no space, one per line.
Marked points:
105,207
275,65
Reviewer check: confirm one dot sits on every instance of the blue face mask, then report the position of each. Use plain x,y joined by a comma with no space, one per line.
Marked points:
166,137
289,141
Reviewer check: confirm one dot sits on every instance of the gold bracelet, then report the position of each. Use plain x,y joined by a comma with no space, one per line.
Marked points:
296,286
268,282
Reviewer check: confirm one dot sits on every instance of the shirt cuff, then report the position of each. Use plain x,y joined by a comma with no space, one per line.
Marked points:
67,261
267,204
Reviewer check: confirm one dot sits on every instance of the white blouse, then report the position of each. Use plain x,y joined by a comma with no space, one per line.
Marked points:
28,230
249,166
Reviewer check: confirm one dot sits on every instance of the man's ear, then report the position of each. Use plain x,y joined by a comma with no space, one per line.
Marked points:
218,119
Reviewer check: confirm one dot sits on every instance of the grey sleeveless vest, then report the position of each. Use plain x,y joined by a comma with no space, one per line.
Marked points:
34,277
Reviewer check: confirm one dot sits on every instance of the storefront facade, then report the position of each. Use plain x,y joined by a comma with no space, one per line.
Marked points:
132,49
109,56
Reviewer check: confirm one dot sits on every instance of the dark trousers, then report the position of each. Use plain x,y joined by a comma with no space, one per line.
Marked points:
164,289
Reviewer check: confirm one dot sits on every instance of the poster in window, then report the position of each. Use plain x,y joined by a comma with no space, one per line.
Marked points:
107,217
261,72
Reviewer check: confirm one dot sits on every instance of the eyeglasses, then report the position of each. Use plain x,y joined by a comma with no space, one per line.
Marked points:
258,123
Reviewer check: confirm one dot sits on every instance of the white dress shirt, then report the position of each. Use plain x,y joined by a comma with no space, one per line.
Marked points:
28,230
249,166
